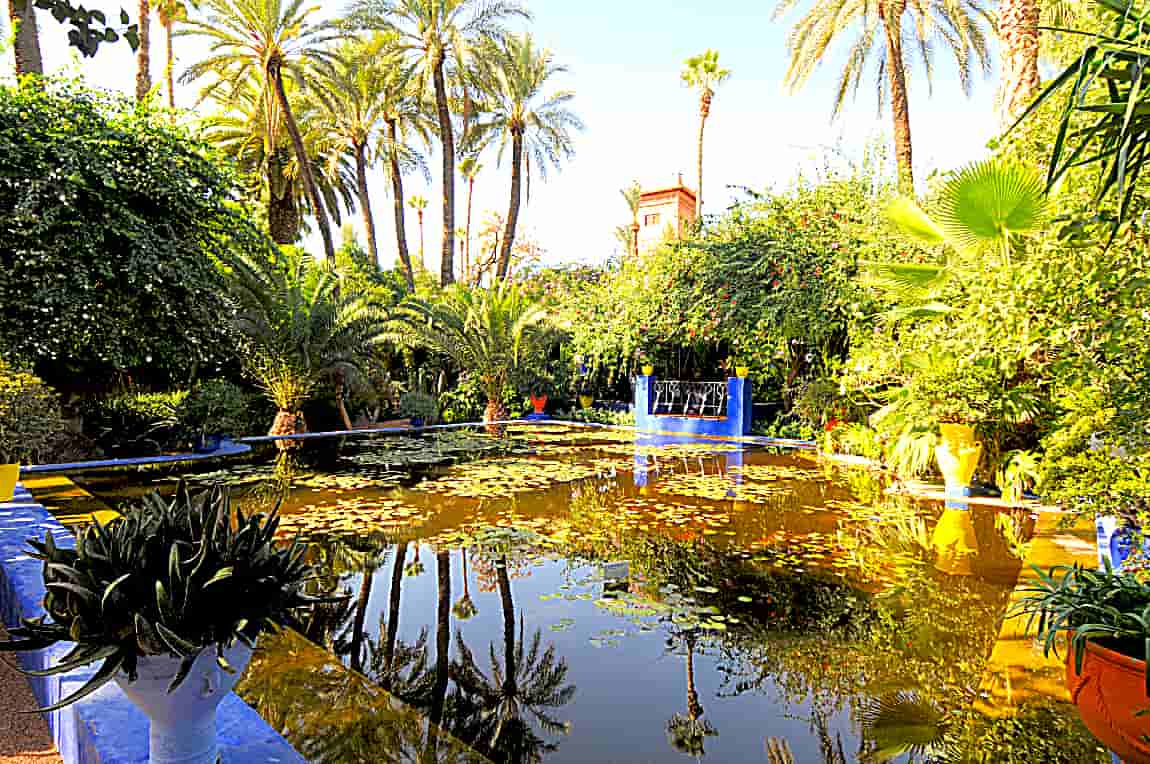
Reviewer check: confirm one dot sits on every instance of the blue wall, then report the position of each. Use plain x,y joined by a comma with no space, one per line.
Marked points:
737,422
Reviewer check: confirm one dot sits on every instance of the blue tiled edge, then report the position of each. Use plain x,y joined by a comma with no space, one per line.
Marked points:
104,728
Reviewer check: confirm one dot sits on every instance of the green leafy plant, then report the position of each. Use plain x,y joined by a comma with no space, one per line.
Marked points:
416,405
219,406
1089,605
30,420
136,422
167,578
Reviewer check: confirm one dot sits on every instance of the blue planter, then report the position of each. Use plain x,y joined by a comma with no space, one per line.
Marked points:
209,443
1115,541
417,421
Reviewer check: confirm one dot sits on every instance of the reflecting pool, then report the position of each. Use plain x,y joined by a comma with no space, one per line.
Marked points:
568,595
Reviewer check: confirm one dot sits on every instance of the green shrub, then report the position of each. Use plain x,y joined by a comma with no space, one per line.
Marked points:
466,402
600,416
219,406
137,423
30,422
419,406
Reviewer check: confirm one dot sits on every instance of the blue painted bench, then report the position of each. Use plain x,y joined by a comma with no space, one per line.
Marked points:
104,728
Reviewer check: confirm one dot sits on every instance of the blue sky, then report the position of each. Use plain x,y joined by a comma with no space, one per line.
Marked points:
624,59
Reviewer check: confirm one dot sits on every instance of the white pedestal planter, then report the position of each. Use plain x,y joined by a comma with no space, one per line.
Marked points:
183,723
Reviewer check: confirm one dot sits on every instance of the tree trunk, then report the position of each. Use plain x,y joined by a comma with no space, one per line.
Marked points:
393,600
397,204
275,71
22,14
287,423
899,102
492,415
694,707
467,244
704,112
1018,32
365,203
144,52
442,638
447,139
170,65
339,388
357,634
508,605
422,258
504,268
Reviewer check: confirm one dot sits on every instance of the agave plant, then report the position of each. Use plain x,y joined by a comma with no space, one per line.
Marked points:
980,216
167,578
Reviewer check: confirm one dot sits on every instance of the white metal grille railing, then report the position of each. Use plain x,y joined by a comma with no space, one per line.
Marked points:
690,398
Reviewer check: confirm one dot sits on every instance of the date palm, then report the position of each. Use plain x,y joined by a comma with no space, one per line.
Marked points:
469,169
703,73
26,47
170,12
300,329
435,32
492,334
248,135
1018,35
877,32
537,125
419,204
632,194
526,684
273,39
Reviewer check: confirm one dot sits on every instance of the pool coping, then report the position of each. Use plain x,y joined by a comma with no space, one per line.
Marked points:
105,727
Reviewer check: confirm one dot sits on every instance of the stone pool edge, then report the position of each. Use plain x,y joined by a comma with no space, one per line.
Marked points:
104,727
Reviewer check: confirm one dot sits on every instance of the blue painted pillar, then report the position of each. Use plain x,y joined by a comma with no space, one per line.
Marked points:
739,406
644,401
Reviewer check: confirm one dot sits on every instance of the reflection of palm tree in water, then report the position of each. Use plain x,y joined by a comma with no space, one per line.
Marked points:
495,709
442,653
465,608
688,733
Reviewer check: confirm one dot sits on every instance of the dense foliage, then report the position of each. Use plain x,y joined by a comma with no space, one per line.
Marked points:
30,421
111,227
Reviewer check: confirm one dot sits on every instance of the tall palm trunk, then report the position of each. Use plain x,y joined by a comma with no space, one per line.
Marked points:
22,15
447,138
340,385
442,653
1018,31
144,52
467,243
361,603
899,102
704,112
508,606
422,258
393,600
397,204
493,415
513,209
283,212
694,707
365,202
275,71
170,62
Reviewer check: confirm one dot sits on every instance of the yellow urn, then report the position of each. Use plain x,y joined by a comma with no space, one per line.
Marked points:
958,455
9,475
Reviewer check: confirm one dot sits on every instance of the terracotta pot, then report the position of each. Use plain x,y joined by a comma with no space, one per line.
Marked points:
539,402
9,475
1108,692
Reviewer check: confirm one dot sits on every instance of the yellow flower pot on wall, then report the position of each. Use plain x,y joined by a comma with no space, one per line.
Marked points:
586,400
9,474
648,370
958,455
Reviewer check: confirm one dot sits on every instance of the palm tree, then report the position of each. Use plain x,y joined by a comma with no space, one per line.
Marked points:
494,334
170,12
469,168
702,73
464,609
1018,34
300,329
26,50
418,203
267,37
252,138
436,31
529,681
688,732
878,34
442,651
144,50
538,126
632,194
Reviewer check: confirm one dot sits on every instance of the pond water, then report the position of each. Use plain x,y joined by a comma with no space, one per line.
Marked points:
567,595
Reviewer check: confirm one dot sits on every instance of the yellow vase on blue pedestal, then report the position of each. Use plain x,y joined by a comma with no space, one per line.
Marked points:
958,456
9,474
